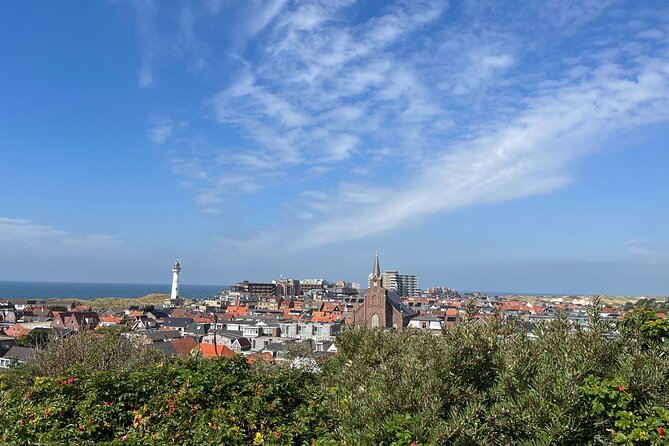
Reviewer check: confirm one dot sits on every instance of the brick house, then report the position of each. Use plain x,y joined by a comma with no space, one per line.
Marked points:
75,320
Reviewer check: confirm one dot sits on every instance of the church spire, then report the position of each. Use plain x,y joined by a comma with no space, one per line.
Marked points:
375,277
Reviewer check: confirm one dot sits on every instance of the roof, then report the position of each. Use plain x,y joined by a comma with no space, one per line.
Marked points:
332,306
19,353
178,347
181,322
200,329
428,318
179,313
243,342
163,335
230,334
376,273
396,301
16,330
183,346
208,351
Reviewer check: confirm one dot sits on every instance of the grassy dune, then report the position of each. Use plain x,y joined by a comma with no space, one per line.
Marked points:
613,301
104,303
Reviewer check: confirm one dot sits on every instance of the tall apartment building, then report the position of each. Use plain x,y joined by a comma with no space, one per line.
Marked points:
402,284
390,280
407,285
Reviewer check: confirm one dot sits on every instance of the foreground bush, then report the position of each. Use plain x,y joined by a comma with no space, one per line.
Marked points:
482,383
191,402
100,350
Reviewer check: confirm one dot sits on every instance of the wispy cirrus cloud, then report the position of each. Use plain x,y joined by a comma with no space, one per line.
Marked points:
145,11
161,130
405,113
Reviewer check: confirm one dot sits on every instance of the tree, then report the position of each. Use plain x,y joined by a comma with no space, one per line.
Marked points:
644,325
37,338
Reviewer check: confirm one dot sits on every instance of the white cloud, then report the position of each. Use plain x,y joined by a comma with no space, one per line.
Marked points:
161,130
145,11
490,107
524,156
267,11
650,34
145,77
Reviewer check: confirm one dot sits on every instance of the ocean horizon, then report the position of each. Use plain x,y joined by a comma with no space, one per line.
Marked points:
84,291
92,290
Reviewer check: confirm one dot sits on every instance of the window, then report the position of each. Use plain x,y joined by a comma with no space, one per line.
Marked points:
375,321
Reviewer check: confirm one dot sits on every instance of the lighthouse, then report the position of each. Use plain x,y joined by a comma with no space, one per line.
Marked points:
175,280
175,300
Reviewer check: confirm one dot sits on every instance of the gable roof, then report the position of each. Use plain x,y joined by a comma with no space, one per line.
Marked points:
242,342
111,319
184,346
395,300
16,330
199,329
208,351
179,312
162,335
19,353
180,322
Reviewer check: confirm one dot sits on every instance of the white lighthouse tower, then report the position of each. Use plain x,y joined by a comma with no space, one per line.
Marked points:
175,280
175,300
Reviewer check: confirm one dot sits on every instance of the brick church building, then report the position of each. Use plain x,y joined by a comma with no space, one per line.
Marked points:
382,308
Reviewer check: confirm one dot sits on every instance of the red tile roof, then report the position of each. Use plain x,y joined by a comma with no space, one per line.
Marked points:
237,311
208,351
184,346
111,319
16,331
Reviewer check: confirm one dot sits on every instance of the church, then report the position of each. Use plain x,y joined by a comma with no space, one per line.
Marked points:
382,308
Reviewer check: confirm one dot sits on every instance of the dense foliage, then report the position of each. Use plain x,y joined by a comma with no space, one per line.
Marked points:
655,304
100,350
190,402
479,383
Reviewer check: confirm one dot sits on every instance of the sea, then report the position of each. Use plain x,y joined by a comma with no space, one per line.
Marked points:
83,291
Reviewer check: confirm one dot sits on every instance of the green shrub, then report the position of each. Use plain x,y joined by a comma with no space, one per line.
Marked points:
191,402
480,382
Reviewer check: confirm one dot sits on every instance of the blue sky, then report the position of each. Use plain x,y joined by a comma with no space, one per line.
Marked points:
504,146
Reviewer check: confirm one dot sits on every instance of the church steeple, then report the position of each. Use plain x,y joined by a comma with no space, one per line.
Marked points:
375,279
